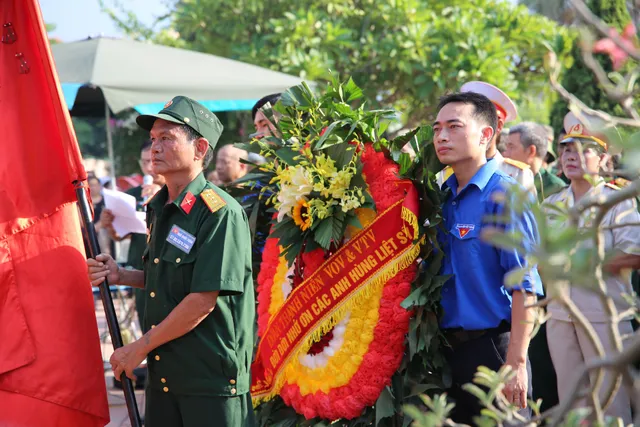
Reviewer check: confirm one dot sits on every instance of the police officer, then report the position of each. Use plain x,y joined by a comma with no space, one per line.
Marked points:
569,344
197,277
507,112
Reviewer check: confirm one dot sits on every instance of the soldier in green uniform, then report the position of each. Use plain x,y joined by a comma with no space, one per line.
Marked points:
527,143
197,277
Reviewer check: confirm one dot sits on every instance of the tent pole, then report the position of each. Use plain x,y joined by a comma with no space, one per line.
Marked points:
112,160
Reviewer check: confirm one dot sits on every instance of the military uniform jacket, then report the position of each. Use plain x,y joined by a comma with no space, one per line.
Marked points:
625,239
519,171
547,184
200,242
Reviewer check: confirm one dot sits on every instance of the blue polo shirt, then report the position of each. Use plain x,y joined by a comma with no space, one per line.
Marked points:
476,297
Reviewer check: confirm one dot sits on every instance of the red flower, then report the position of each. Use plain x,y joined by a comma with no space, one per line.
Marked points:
617,55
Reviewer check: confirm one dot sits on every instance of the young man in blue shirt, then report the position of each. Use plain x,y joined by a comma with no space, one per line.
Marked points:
485,322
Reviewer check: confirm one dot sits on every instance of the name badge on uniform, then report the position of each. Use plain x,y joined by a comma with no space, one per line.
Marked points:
181,239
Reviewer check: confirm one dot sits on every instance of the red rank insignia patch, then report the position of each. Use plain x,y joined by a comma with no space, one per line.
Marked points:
188,202
464,229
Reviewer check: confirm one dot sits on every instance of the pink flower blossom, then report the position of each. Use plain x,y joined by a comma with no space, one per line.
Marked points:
617,55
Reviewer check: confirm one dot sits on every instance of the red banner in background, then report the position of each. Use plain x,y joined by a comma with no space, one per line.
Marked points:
51,370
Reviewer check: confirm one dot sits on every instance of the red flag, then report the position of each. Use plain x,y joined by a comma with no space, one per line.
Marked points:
51,370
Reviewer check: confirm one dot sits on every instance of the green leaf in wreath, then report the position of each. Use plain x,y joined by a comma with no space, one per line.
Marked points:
405,163
342,154
384,405
338,226
299,96
397,143
351,91
322,142
324,233
353,220
287,155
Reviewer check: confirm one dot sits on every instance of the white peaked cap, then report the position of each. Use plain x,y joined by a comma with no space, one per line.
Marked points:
498,97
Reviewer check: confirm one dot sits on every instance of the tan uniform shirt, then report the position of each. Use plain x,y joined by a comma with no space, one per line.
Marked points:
625,239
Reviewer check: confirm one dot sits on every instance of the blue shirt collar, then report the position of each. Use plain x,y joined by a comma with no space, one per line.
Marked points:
480,179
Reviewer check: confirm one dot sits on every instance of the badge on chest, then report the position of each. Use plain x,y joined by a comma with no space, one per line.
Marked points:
464,229
181,239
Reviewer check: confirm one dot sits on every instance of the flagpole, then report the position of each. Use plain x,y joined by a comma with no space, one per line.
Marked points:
107,302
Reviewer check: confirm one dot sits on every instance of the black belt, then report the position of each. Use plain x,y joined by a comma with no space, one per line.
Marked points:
458,336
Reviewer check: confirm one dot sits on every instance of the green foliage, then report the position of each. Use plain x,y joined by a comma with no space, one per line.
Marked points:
406,54
579,79
50,28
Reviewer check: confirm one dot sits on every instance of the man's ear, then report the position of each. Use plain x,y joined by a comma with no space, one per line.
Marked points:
202,145
532,151
487,135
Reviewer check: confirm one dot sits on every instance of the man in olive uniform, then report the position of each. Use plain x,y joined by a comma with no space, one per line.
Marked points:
527,143
197,276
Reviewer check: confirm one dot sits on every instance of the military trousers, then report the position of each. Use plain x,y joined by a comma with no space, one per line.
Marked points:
170,410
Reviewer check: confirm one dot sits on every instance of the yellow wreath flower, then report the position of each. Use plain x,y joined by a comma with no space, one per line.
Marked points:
302,214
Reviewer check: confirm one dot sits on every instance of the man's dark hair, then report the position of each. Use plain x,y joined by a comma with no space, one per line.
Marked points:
146,145
193,135
484,110
271,99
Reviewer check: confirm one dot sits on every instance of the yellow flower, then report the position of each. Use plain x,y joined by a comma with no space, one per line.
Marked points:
349,201
320,209
302,214
325,166
339,183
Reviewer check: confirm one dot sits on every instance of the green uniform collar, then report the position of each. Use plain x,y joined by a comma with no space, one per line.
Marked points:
195,187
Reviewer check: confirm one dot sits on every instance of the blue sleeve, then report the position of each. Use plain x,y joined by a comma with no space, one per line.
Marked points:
523,224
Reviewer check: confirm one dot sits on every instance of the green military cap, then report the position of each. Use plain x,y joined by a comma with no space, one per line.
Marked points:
186,111
551,154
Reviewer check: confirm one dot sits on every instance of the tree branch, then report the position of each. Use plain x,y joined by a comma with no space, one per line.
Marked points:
588,17
617,362
617,94
630,191
613,120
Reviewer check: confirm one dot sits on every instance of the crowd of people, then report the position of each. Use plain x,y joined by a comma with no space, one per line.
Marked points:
196,297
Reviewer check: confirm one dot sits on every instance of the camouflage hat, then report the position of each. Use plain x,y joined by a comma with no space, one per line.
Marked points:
186,111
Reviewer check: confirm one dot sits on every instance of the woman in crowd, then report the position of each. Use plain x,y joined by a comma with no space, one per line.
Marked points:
583,156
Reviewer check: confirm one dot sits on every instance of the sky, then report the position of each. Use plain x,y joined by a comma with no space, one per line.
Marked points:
78,19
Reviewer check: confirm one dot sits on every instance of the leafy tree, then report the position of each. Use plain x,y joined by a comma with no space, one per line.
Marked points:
558,10
50,28
405,53
579,79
